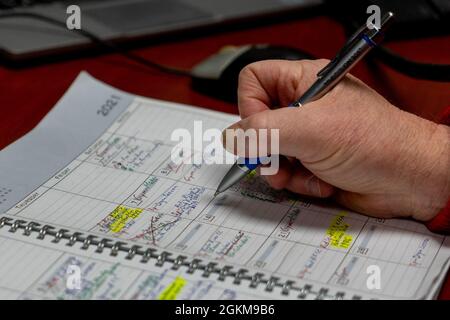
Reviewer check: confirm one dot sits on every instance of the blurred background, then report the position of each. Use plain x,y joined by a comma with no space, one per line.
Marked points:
191,51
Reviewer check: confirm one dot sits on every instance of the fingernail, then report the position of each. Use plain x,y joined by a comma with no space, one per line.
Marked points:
313,186
229,133
236,125
224,137
224,132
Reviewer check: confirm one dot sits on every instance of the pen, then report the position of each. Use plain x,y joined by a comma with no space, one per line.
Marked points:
359,44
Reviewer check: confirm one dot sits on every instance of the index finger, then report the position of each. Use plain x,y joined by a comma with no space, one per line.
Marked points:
266,84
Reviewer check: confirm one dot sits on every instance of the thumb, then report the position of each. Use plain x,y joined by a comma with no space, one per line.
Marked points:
286,131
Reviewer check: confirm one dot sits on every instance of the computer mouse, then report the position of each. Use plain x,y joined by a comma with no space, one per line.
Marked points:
218,75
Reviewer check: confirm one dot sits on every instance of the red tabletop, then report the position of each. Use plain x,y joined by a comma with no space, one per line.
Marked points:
26,95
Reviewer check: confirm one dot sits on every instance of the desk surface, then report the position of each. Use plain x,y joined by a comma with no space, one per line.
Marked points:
27,95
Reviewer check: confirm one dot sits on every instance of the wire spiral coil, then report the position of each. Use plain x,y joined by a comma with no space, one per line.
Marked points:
161,258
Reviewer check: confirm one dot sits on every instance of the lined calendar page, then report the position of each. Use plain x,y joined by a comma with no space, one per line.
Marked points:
40,269
123,184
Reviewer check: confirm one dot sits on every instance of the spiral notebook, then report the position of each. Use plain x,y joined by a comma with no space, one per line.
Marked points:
93,207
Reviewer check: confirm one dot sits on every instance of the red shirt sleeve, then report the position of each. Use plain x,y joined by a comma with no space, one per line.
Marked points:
441,223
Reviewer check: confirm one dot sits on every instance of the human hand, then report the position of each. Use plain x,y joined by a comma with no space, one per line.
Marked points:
351,144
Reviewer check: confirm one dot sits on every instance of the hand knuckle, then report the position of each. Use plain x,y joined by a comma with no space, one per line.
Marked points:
259,121
248,71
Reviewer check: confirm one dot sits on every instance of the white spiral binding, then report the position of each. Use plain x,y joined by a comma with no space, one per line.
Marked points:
147,254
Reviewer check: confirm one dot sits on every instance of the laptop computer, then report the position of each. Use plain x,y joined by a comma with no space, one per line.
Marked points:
22,38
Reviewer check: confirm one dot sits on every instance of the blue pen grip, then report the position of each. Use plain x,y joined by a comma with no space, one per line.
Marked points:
252,163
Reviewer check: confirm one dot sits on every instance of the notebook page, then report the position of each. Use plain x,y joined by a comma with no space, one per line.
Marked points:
32,268
124,185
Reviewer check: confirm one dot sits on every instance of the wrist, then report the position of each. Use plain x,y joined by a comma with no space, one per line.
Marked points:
430,188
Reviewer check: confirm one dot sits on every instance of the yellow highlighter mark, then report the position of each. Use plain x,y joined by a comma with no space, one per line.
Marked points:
121,215
173,290
336,232
251,174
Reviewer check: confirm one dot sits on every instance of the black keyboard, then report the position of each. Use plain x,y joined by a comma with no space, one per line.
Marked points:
10,4
413,18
